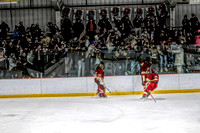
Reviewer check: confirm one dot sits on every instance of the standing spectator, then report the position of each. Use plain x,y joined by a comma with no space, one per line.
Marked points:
78,28
30,58
162,19
38,59
149,28
171,33
179,58
154,54
145,34
163,52
10,48
104,24
4,29
66,27
16,35
21,28
33,32
148,19
196,28
189,39
198,40
23,64
193,21
12,61
127,26
37,32
185,25
118,24
137,22
81,64
91,29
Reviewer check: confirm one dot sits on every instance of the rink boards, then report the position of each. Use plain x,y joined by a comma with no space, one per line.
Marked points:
85,86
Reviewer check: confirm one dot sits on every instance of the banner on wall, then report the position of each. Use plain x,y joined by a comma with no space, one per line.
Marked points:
127,11
66,11
151,11
78,14
90,15
115,12
139,12
104,13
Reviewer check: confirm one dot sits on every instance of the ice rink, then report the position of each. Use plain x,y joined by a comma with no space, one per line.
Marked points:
172,113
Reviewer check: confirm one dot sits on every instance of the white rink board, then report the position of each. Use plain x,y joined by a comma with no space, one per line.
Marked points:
87,84
20,86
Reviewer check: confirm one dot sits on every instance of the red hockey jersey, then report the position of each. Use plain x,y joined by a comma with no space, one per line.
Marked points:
99,73
154,77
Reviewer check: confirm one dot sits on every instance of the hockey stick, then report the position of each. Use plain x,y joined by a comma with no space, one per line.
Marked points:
104,85
107,88
152,97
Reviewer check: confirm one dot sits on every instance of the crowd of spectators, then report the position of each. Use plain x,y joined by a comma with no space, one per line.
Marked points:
119,42
30,48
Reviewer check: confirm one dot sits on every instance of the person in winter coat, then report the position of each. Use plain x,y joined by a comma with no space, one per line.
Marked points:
179,58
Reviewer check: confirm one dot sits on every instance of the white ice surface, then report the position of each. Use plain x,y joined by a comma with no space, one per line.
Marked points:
172,113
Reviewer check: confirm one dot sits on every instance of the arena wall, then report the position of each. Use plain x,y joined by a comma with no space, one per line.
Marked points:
85,86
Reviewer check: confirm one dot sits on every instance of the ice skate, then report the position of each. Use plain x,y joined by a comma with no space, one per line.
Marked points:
144,98
102,95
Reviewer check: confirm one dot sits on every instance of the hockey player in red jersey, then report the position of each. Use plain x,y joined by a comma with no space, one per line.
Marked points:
99,80
151,83
145,69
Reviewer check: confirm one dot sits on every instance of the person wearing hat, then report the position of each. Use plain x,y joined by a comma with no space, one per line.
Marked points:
99,80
